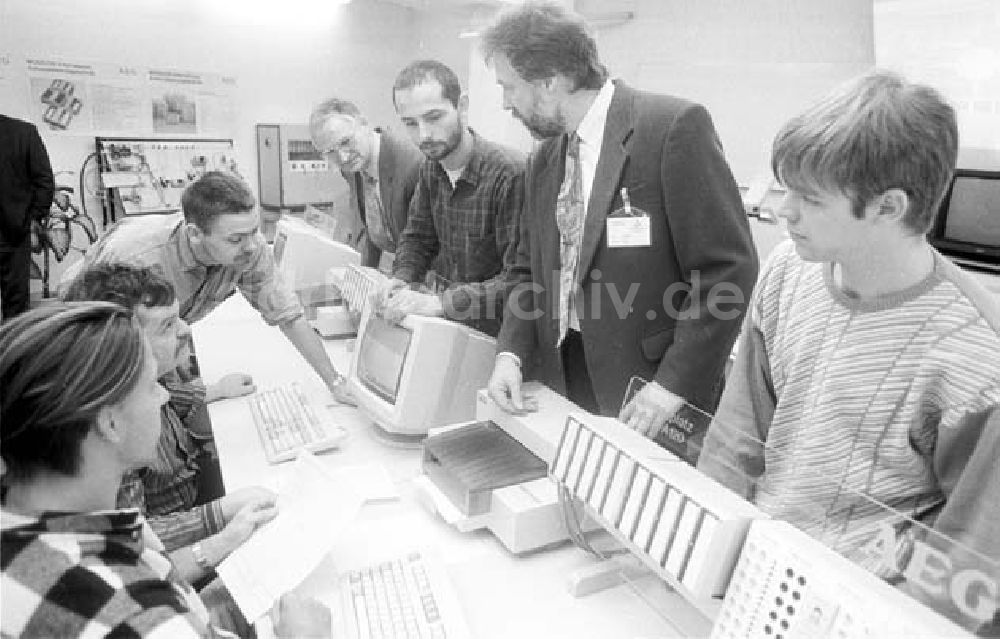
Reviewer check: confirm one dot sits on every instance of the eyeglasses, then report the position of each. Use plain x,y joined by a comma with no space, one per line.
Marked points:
345,145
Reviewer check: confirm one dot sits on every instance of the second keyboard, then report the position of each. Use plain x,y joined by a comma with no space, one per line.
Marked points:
287,423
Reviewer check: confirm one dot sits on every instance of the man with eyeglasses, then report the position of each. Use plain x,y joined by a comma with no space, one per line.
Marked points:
380,169
465,214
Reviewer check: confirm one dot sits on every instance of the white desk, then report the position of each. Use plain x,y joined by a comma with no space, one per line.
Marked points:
502,595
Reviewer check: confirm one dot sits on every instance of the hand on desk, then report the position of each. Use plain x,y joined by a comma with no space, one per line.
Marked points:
505,387
232,385
298,616
650,409
341,392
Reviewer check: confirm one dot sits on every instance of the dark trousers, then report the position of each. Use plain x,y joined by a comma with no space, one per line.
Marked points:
15,271
579,388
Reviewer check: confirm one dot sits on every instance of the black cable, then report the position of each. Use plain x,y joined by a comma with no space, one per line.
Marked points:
83,192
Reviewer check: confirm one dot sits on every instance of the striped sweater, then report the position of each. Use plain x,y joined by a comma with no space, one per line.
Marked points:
865,404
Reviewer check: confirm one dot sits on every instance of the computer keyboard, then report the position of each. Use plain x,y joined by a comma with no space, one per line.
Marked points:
405,597
360,282
288,423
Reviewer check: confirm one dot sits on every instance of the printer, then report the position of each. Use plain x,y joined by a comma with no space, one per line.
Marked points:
492,472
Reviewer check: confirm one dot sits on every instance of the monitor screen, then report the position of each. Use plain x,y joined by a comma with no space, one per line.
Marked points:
968,223
974,211
381,357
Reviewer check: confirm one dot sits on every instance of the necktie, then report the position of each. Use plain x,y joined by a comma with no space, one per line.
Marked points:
374,216
570,214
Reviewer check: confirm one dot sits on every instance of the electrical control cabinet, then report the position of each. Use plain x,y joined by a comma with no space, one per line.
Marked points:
292,172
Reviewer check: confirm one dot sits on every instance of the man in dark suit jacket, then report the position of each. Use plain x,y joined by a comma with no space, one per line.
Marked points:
662,262
380,169
26,189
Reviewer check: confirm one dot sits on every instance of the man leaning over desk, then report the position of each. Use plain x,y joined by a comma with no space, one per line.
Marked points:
208,252
380,169
635,255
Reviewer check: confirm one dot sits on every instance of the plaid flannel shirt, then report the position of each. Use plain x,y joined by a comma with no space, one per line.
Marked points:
93,575
471,229
165,490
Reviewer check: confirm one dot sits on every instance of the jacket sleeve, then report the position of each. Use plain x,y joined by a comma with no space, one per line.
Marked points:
523,304
733,452
42,180
965,462
714,250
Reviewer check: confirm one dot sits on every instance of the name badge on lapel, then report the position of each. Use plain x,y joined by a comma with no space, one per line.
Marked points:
628,226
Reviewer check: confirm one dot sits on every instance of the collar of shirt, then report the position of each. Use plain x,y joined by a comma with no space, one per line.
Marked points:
591,134
372,169
473,169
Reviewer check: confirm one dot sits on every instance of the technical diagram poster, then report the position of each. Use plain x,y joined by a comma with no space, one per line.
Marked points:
119,97
59,95
94,98
11,99
216,112
175,100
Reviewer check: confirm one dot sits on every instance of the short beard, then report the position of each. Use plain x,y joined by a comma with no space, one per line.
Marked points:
437,153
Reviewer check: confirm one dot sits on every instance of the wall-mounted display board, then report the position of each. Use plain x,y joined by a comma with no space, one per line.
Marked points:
147,175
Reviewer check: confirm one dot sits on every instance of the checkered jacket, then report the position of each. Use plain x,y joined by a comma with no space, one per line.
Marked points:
92,575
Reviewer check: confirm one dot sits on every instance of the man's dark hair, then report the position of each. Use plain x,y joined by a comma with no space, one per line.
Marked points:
213,194
425,70
542,40
126,284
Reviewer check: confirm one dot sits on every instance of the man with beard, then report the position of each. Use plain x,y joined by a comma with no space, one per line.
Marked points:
380,169
465,212
636,257
208,252
198,537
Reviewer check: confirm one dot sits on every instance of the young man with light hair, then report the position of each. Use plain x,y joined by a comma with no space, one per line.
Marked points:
868,373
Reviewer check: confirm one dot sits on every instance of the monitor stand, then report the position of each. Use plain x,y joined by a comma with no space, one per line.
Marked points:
395,440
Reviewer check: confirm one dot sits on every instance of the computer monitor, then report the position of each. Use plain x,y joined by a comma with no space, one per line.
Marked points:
312,262
419,374
968,222
305,254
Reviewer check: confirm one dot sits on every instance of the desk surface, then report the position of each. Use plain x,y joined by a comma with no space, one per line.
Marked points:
502,595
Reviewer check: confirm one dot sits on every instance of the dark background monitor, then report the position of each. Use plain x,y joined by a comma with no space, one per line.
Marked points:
381,358
968,223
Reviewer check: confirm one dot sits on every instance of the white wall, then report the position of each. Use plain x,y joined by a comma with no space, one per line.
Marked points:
753,64
285,56
955,47
283,64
